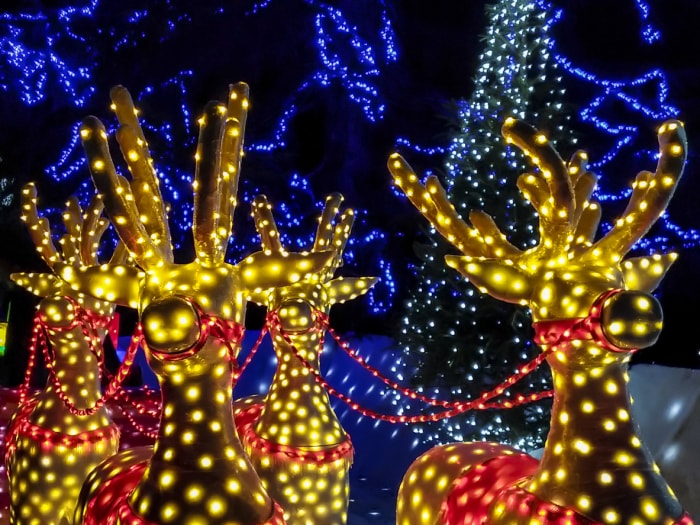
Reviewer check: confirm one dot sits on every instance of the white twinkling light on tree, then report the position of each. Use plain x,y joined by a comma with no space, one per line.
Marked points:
456,342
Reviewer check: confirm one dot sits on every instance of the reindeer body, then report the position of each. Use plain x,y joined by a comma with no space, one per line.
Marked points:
311,479
51,448
591,310
293,437
191,315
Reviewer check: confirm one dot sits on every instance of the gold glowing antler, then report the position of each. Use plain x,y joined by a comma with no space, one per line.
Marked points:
331,235
84,230
266,225
431,200
561,194
568,217
650,195
39,227
144,185
118,198
218,158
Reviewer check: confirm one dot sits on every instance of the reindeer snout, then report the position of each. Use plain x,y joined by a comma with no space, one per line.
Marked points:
296,316
632,319
170,325
57,312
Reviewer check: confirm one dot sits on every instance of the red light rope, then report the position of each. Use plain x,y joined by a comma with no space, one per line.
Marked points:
143,410
31,361
519,398
113,386
557,331
88,322
237,373
459,408
245,421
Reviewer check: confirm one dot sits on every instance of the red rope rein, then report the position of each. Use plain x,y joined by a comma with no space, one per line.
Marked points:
453,407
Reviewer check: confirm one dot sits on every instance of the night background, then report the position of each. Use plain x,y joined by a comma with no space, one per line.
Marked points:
336,87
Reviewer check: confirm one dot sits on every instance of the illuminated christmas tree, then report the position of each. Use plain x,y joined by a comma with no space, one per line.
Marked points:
453,337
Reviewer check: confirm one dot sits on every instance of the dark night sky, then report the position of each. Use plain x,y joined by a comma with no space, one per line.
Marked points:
329,139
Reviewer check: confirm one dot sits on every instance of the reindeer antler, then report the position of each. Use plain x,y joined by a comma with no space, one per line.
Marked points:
650,195
218,157
266,226
39,227
79,245
118,197
431,200
144,185
331,235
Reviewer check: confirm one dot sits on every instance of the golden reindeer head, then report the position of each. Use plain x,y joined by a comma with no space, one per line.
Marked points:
175,299
318,291
79,246
568,271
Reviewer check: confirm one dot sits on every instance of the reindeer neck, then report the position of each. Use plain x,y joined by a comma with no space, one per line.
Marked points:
198,464
78,372
594,460
297,410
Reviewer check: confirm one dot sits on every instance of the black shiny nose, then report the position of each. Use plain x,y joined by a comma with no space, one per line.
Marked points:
57,312
632,319
170,325
296,316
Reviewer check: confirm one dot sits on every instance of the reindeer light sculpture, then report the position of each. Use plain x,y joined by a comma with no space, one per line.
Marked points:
191,314
58,436
293,437
591,310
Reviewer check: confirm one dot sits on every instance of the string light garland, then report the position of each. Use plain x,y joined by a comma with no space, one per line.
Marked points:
594,467
412,394
455,408
60,388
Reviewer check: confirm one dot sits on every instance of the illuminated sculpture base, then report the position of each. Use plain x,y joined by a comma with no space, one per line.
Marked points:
119,475
488,490
47,469
129,436
311,485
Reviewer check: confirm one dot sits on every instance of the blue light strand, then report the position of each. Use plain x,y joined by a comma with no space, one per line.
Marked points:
344,57
649,33
611,91
656,108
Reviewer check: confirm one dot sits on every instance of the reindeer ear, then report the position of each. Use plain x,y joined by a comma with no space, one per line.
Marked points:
117,284
40,284
262,271
346,288
500,280
645,273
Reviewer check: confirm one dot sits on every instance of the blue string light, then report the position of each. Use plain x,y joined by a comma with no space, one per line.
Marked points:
649,33
345,57
645,96
352,55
